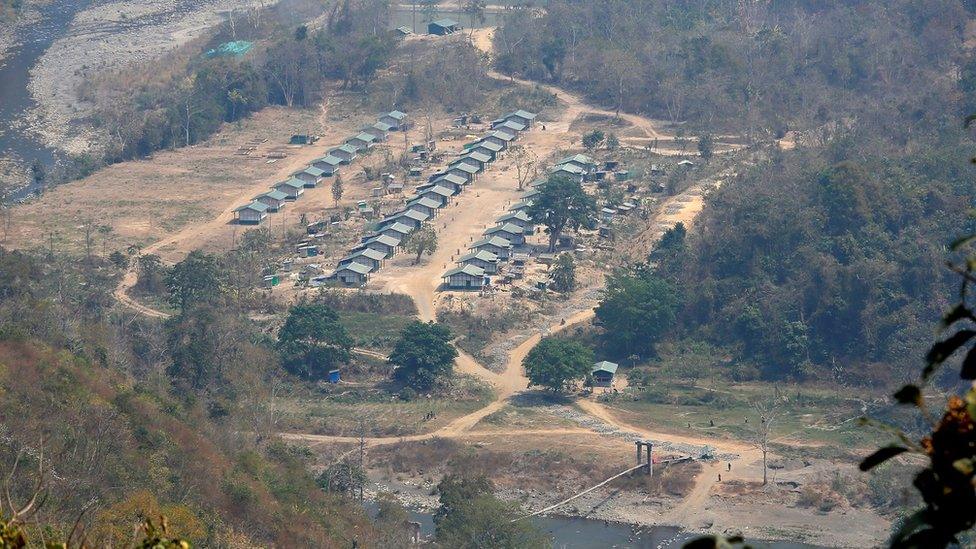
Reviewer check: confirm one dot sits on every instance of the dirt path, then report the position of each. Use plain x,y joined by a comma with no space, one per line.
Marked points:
457,225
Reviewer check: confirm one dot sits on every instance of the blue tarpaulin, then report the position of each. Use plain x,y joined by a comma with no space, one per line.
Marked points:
238,47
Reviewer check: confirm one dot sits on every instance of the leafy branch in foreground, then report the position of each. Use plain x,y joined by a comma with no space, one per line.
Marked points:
947,483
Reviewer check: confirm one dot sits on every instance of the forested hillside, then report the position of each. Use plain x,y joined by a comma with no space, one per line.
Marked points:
89,392
756,67
808,267
820,261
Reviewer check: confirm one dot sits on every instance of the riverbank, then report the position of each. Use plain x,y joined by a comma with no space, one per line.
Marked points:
107,37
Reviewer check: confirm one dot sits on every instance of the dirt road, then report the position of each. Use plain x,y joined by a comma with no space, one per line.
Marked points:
457,225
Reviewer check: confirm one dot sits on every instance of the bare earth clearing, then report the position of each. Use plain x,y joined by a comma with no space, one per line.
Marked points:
182,200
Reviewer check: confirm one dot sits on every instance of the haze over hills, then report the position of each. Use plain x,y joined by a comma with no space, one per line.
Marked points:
369,273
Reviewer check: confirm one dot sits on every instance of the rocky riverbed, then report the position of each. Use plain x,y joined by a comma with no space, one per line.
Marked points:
109,36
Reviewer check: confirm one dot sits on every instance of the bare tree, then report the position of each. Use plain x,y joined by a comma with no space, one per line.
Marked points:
525,164
766,410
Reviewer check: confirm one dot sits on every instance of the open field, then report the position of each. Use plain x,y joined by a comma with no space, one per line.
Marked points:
338,410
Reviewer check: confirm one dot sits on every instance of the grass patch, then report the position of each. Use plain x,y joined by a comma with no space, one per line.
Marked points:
340,409
374,330
819,417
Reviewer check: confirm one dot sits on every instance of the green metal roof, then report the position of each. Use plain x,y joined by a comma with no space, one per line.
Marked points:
357,268
256,206
483,255
604,366
471,270
273,194
493,241
446,23
507,228
330,160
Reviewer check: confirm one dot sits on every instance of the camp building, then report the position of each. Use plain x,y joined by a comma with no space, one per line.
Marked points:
466,276
602,373
482,259
253,213
443,27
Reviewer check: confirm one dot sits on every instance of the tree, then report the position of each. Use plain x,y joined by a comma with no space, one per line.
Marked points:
423,355
38,173
344,478
593,139
564,274
561,204
471,517
706,146
195,280
556,363
313,341
946,484
767,415
636,310
525,161
612,143
151,274
195,345
422,241
337,189
475,10
671,246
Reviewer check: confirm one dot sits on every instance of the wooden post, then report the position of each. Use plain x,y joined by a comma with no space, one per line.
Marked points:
638,443
650,464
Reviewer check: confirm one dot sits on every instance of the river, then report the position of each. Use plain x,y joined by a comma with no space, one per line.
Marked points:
17,142
581,533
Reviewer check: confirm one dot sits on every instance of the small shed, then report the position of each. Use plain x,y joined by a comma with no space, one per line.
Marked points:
363,141
334,376
367,256
328,164
510,127
607,214
494,244
464,170
253,213
396,120
521,116
518,217
438,193
443,27
398,231
274,199
465,277
424,205
379,130
509,231
602,373
487,148
581,161
569,171
383,243
412,218
352,274
345,152
478,165
520,206
482,259
454,182
293,188
311,175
